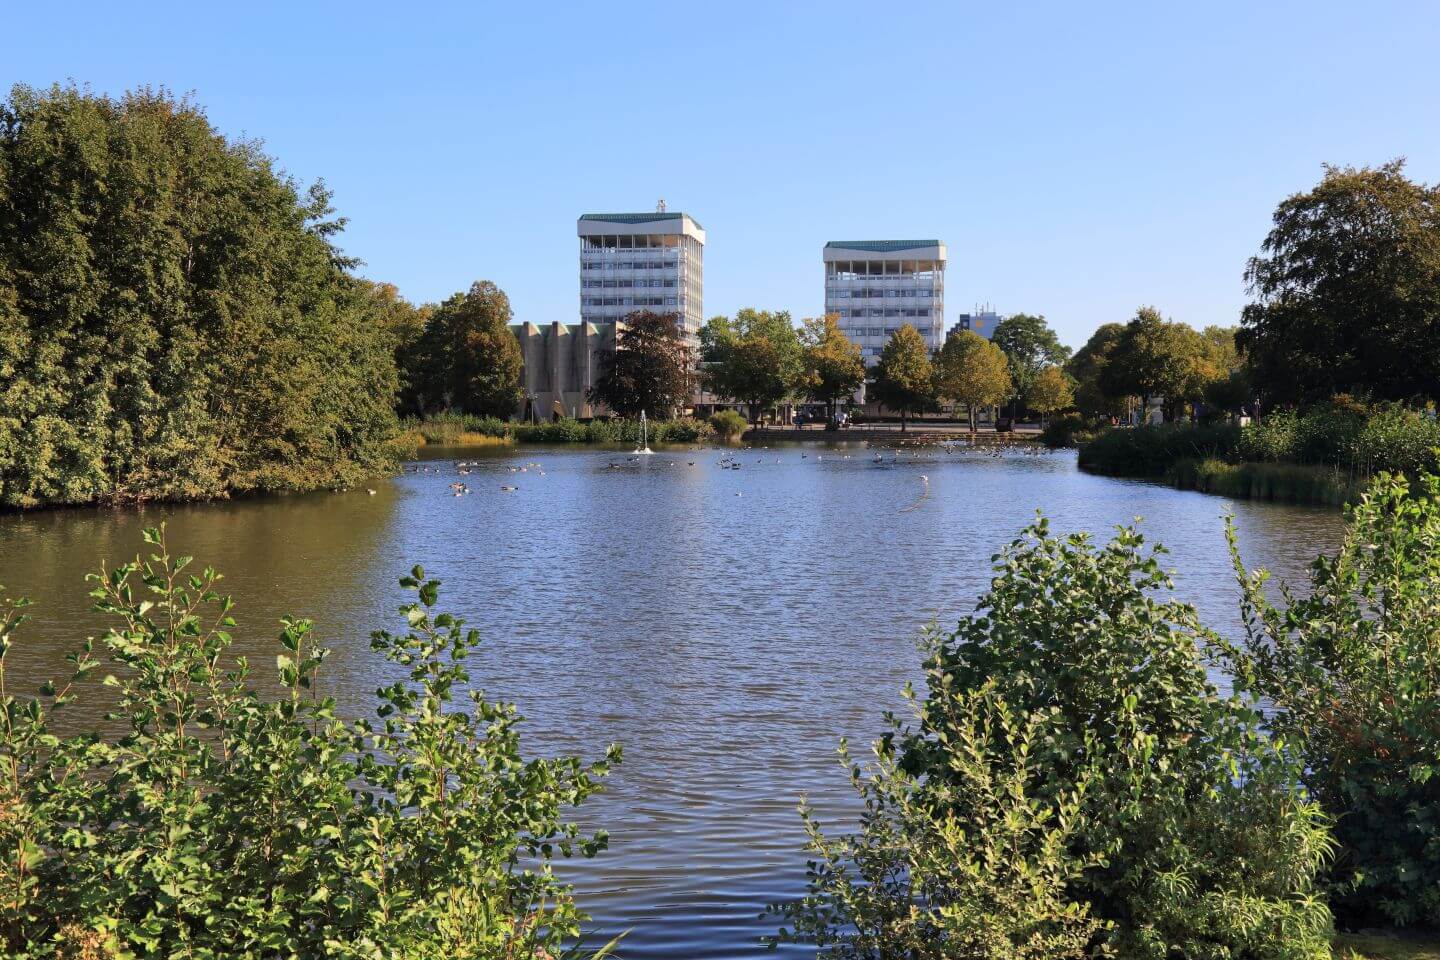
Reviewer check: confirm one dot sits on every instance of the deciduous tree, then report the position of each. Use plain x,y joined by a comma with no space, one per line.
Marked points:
833,362
649,369
973,372
1347,290
1030,345
473,357
1050,391
755,358
905,377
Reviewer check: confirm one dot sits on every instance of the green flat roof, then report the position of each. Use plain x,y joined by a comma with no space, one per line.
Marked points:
636,217
881,246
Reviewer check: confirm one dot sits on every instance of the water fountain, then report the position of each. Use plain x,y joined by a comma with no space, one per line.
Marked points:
644,446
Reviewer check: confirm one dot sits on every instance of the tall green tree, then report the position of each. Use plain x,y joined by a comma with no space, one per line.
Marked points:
405,324
1086,368
649,369
973,372
833,362
175,319
1031,346
756,358
473,357
1155,357
1346,290
905,377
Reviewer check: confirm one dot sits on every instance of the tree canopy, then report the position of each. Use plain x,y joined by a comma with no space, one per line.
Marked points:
649,369
471,360
972,372
905,377
1050,391
175,320
1087,368
1346,290
833,364
756,358
1030,346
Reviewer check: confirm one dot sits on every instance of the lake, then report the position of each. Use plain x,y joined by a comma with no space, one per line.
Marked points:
726,626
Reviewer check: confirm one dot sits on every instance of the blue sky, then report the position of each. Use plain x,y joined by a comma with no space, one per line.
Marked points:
1078,159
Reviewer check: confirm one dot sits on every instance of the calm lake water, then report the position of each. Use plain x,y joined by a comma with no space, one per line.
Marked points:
728,627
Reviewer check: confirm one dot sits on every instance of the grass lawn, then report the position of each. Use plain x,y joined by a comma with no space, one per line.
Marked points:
1353,946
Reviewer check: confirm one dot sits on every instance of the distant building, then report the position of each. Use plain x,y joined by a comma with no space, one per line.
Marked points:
983,321
877,286
642,261
561,365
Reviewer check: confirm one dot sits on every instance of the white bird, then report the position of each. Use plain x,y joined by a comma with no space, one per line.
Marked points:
509,489
369,491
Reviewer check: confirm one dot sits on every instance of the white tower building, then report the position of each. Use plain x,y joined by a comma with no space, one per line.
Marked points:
642,261
877,286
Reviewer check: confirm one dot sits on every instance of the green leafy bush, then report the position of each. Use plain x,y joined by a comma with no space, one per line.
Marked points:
975,865
1353,669
222,823
682,430
1188,836
729,424
1280,482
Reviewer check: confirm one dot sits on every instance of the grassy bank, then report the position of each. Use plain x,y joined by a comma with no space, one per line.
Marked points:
459,430
1280,482
1385,946
1322,456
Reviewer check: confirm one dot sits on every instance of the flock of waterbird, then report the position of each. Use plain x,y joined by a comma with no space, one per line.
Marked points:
915,452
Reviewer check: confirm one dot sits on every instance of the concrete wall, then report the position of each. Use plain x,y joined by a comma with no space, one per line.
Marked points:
561,364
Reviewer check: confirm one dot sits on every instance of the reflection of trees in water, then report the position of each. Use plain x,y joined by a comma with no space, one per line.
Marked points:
322,556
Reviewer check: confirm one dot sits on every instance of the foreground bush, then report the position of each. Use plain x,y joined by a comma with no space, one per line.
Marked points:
1354,672
1145,802
223,823
976,864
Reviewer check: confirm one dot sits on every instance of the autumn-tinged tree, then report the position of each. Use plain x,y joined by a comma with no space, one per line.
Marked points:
905,377
1050,391
1347,290
755,358
973,372
472,358
649,369
833,363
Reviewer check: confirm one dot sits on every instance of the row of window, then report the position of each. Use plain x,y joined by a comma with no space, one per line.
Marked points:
614,284
629,301
883,268
627,264
886,312
868,293
628,241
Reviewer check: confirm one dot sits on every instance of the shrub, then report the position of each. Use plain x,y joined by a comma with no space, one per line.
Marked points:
1149,451
1353,669
1190,831
1067,430
225,823
976,865
729,425
1397,440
